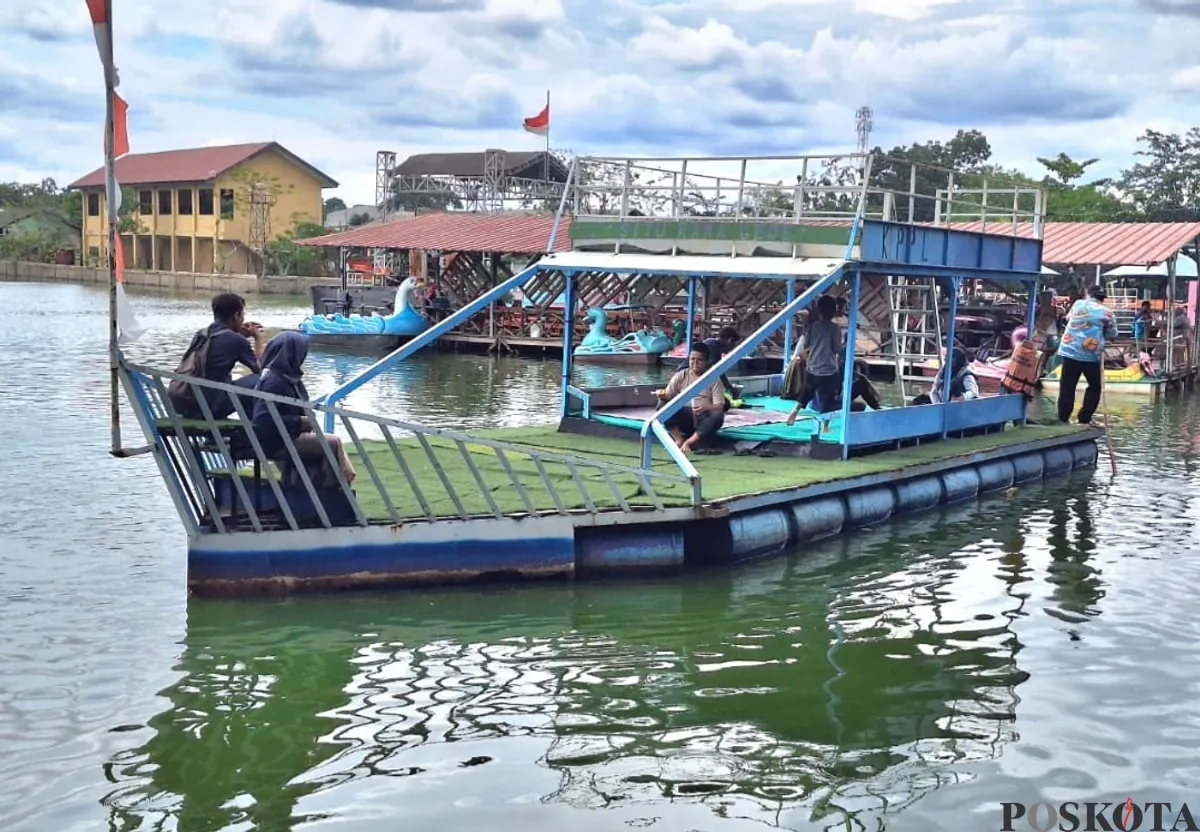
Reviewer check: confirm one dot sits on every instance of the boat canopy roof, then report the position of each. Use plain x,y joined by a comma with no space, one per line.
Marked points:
759,268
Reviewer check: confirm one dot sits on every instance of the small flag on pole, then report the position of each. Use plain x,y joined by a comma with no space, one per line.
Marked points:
120,127
128,326
540,124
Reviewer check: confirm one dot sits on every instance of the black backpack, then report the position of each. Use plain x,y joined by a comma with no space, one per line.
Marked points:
193,363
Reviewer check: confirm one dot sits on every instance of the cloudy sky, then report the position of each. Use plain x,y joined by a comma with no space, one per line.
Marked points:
336,80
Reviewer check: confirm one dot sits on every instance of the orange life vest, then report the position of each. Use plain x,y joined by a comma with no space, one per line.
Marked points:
1021,375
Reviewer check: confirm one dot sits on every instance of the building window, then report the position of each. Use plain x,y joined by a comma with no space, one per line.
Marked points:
164,203
185,202
226,204
206,202
93,204
146,203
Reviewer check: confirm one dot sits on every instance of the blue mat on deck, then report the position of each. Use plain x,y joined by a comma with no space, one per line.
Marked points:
740,422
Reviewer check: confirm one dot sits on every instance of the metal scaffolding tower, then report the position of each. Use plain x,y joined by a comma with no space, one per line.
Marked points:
863,123
385,163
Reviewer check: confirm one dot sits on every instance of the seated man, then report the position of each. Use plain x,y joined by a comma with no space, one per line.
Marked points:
227,345
862,392
696,423
718,347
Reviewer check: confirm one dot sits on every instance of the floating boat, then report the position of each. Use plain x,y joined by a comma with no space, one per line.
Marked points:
606,490
643,346
375,331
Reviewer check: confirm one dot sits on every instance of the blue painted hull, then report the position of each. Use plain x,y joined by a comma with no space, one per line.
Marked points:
564,547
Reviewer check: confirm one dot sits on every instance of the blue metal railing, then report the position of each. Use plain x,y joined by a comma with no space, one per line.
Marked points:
428,337
405,482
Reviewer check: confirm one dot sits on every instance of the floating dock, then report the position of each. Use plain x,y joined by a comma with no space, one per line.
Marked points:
602,521
604,489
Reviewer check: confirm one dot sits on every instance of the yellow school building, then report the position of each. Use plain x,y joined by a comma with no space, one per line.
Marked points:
208,209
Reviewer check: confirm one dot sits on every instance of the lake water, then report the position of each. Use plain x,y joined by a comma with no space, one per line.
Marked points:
1038,646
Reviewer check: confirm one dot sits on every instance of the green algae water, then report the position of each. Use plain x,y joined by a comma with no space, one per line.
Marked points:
1038,645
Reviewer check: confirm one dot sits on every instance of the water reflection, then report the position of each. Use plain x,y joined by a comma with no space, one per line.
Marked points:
842,683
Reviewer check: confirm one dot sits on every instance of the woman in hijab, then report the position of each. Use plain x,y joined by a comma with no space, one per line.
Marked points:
962,381
282,375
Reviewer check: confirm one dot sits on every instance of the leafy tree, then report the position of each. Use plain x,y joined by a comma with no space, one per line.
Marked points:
36,245
966,152
423,202
333,204
359,219
1166,186
1070,201
285,257
1065,168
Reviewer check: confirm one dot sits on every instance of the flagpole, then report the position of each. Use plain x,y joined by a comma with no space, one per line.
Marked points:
546,161
110,148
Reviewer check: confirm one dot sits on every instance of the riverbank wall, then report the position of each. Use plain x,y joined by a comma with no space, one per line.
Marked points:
243,284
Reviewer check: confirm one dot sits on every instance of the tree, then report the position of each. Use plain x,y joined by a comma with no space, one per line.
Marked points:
332,204
931,162
36,245
423,201
1065,168
358,219
285,257
1166,186
1067,201
44,194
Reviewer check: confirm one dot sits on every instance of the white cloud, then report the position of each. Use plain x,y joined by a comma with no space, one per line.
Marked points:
336,81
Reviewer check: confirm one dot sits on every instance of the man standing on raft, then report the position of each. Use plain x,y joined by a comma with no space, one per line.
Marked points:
1089,325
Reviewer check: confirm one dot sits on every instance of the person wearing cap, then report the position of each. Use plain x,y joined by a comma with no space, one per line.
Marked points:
1081,348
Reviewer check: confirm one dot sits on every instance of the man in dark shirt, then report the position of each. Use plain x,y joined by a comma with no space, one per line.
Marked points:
228,346
725,341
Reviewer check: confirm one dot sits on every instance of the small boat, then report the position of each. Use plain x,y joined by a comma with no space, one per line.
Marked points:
383,332
644,346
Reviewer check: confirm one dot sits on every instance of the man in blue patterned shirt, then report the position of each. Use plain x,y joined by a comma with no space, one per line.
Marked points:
1089,325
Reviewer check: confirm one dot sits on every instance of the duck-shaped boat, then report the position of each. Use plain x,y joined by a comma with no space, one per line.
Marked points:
644,346
371,331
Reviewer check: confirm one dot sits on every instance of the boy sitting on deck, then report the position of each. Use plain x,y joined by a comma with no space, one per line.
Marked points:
693,427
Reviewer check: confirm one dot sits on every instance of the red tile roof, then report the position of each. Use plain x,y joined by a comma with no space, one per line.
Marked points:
450,231
200,164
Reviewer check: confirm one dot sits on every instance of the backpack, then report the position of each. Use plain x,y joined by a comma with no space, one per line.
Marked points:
193,363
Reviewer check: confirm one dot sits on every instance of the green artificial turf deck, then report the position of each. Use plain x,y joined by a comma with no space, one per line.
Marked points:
724,476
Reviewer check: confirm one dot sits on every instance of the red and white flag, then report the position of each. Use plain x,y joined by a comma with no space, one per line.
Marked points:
540,124
127,323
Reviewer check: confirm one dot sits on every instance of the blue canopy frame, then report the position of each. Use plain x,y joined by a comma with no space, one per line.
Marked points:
886,247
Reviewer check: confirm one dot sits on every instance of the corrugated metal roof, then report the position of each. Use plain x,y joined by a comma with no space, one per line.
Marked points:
778,268
1105,244
199,164
450,231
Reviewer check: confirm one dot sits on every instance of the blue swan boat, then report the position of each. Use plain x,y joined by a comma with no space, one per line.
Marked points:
383,332
644,346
